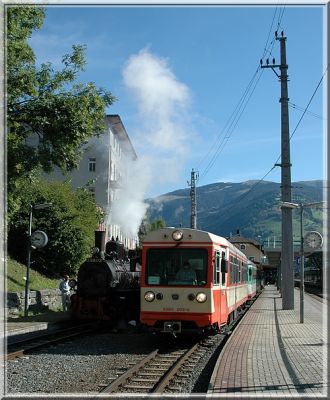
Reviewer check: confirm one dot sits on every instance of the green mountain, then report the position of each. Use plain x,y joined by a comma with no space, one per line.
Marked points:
252,207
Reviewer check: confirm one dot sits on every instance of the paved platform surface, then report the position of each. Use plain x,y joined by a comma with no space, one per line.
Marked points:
18,326
272,355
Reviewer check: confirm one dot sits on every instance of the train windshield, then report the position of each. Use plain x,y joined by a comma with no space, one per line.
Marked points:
177,266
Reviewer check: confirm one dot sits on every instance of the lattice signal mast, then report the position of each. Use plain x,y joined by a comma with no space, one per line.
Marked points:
192,184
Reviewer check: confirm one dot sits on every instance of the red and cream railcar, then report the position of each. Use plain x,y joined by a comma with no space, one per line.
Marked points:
206,302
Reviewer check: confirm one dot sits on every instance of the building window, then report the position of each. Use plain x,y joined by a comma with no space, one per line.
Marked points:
251,258
92,165
242,246
92,192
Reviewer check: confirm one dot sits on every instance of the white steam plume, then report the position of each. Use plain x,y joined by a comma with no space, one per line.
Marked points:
128,209
161,138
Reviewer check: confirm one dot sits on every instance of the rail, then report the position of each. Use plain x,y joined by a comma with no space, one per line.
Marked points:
35,342
166,373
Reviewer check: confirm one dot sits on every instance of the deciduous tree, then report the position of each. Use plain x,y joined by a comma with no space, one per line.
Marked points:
46,103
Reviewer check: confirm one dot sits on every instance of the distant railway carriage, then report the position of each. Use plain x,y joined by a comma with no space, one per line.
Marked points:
223,280
251,279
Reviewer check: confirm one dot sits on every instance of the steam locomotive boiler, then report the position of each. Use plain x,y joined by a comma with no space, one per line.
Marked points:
108,285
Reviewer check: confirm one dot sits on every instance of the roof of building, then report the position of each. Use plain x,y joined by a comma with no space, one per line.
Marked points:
117,127
241,239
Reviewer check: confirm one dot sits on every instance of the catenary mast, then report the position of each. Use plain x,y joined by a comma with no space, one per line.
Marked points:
287,281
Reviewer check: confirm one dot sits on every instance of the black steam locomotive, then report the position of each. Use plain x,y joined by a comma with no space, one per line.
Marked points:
108,285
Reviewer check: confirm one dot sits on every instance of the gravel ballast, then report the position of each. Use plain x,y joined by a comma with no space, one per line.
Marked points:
86,364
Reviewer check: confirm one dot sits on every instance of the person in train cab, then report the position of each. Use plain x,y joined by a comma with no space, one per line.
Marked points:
186,273
65,290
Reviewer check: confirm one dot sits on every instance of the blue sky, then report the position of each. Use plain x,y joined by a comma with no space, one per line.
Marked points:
180,72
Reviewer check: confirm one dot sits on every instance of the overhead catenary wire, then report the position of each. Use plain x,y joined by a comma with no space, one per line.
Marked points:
244,195
232,124
222,139
236,115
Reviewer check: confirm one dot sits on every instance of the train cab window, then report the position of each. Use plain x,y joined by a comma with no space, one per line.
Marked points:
176,267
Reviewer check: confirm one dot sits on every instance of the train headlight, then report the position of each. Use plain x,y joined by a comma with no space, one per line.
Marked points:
191,297
177,235
149,296
159,296
201,297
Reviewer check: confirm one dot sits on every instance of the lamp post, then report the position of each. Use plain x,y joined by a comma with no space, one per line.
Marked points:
29,248
286,204
260,252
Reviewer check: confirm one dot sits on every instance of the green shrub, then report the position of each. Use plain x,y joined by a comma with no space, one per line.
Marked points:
69,223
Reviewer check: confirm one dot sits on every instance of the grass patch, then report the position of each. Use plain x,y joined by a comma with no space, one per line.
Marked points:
15,278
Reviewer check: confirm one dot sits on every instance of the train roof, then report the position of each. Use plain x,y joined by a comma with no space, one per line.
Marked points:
189,235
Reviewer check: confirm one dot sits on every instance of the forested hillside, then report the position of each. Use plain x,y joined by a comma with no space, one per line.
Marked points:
253,208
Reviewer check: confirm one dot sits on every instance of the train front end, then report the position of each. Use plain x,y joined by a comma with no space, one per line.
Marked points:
170,301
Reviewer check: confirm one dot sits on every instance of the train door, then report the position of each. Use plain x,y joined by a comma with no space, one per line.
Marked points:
222,269
216,286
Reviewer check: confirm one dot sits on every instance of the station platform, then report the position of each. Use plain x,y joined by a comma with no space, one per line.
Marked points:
23,325
271,354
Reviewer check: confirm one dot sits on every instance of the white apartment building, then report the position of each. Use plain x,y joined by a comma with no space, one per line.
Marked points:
101,166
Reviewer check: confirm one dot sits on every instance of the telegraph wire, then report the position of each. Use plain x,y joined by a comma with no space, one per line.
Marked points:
234,118
231,128
219,140
278,159
308,104
239,107
295,107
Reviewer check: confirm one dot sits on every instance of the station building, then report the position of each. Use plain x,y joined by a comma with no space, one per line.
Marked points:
104,173
254,251
250,247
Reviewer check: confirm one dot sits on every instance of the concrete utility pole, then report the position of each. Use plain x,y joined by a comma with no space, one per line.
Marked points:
192,184
287,283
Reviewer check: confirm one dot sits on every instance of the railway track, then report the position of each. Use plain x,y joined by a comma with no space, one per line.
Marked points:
168,371
161,372
21,347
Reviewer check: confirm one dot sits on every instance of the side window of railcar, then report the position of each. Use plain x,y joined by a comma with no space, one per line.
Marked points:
239,266
244,272
216,277
232,270
235,271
